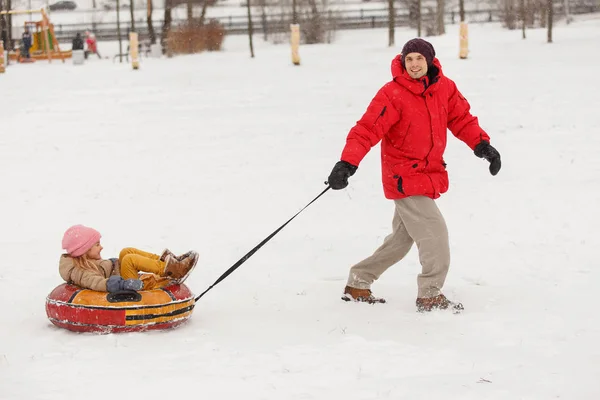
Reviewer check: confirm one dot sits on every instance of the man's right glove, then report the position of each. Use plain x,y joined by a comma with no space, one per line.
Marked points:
485,150
342,170
116,283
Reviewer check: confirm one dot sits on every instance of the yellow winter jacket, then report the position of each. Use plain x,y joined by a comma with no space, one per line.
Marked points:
94,280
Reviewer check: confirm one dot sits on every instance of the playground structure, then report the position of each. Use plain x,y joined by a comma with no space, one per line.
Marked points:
44,43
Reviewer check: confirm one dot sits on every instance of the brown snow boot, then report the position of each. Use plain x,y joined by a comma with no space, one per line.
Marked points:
360,295
176,269
439,302
167,252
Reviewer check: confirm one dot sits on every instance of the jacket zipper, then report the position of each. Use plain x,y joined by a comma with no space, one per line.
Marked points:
431,133
379,116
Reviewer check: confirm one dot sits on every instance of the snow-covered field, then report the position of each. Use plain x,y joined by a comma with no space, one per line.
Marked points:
214,151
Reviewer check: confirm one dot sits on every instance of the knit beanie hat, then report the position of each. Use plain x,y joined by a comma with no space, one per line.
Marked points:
419,46
78,239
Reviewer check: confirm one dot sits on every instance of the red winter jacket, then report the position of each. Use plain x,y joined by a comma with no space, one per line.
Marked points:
411,119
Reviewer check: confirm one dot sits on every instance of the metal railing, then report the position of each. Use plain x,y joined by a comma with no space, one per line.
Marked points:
274,23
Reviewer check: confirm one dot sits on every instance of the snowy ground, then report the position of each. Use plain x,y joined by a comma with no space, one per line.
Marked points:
214,151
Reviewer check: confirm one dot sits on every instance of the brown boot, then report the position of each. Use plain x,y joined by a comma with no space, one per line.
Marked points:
167,252
439,302
180,270
360,295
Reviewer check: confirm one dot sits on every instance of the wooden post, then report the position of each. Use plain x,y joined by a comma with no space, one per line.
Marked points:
2,68
295,42
133,50
45,35
464,41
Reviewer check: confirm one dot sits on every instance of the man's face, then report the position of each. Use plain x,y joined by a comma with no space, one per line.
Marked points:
416,65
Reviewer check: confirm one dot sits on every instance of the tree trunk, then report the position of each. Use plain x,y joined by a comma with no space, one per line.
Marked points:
150,23
523,23
190,12
532,5
119,31
131,11
263,19
550,19
510,14
567,7
391,22
94,16
3,33
9,25
203,12
250,28
441,27
419,22
543,7
166,27
461,10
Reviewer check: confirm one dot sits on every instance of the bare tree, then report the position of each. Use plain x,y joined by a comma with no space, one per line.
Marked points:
550,19
440,26
131,11
419,18
119,31
3,30
166,26
203,11
391,22
542,7
523,22
567,8
151,31
8,22
263,19
94,16
510,17
250,28
314,29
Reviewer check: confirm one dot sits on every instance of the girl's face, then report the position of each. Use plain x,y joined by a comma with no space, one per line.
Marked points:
94,252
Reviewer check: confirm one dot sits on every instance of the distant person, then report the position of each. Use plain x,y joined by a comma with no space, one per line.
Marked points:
92,45
26,42
409,116
78,42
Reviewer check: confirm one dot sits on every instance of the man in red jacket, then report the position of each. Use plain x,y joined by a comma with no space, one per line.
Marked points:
410,116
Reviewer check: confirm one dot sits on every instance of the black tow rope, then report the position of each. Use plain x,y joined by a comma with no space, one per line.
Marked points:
258,246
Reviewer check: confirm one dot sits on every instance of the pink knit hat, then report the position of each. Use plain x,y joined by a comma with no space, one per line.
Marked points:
78,239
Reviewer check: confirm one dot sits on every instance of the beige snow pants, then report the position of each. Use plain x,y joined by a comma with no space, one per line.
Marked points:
417,219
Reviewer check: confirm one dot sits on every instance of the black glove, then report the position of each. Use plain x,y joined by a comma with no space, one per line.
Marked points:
487,151
342,170
116,283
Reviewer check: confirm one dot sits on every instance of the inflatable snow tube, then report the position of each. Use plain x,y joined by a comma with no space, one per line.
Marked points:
83,310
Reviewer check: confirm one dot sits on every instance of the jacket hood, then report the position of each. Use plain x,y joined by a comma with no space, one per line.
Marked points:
401,76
